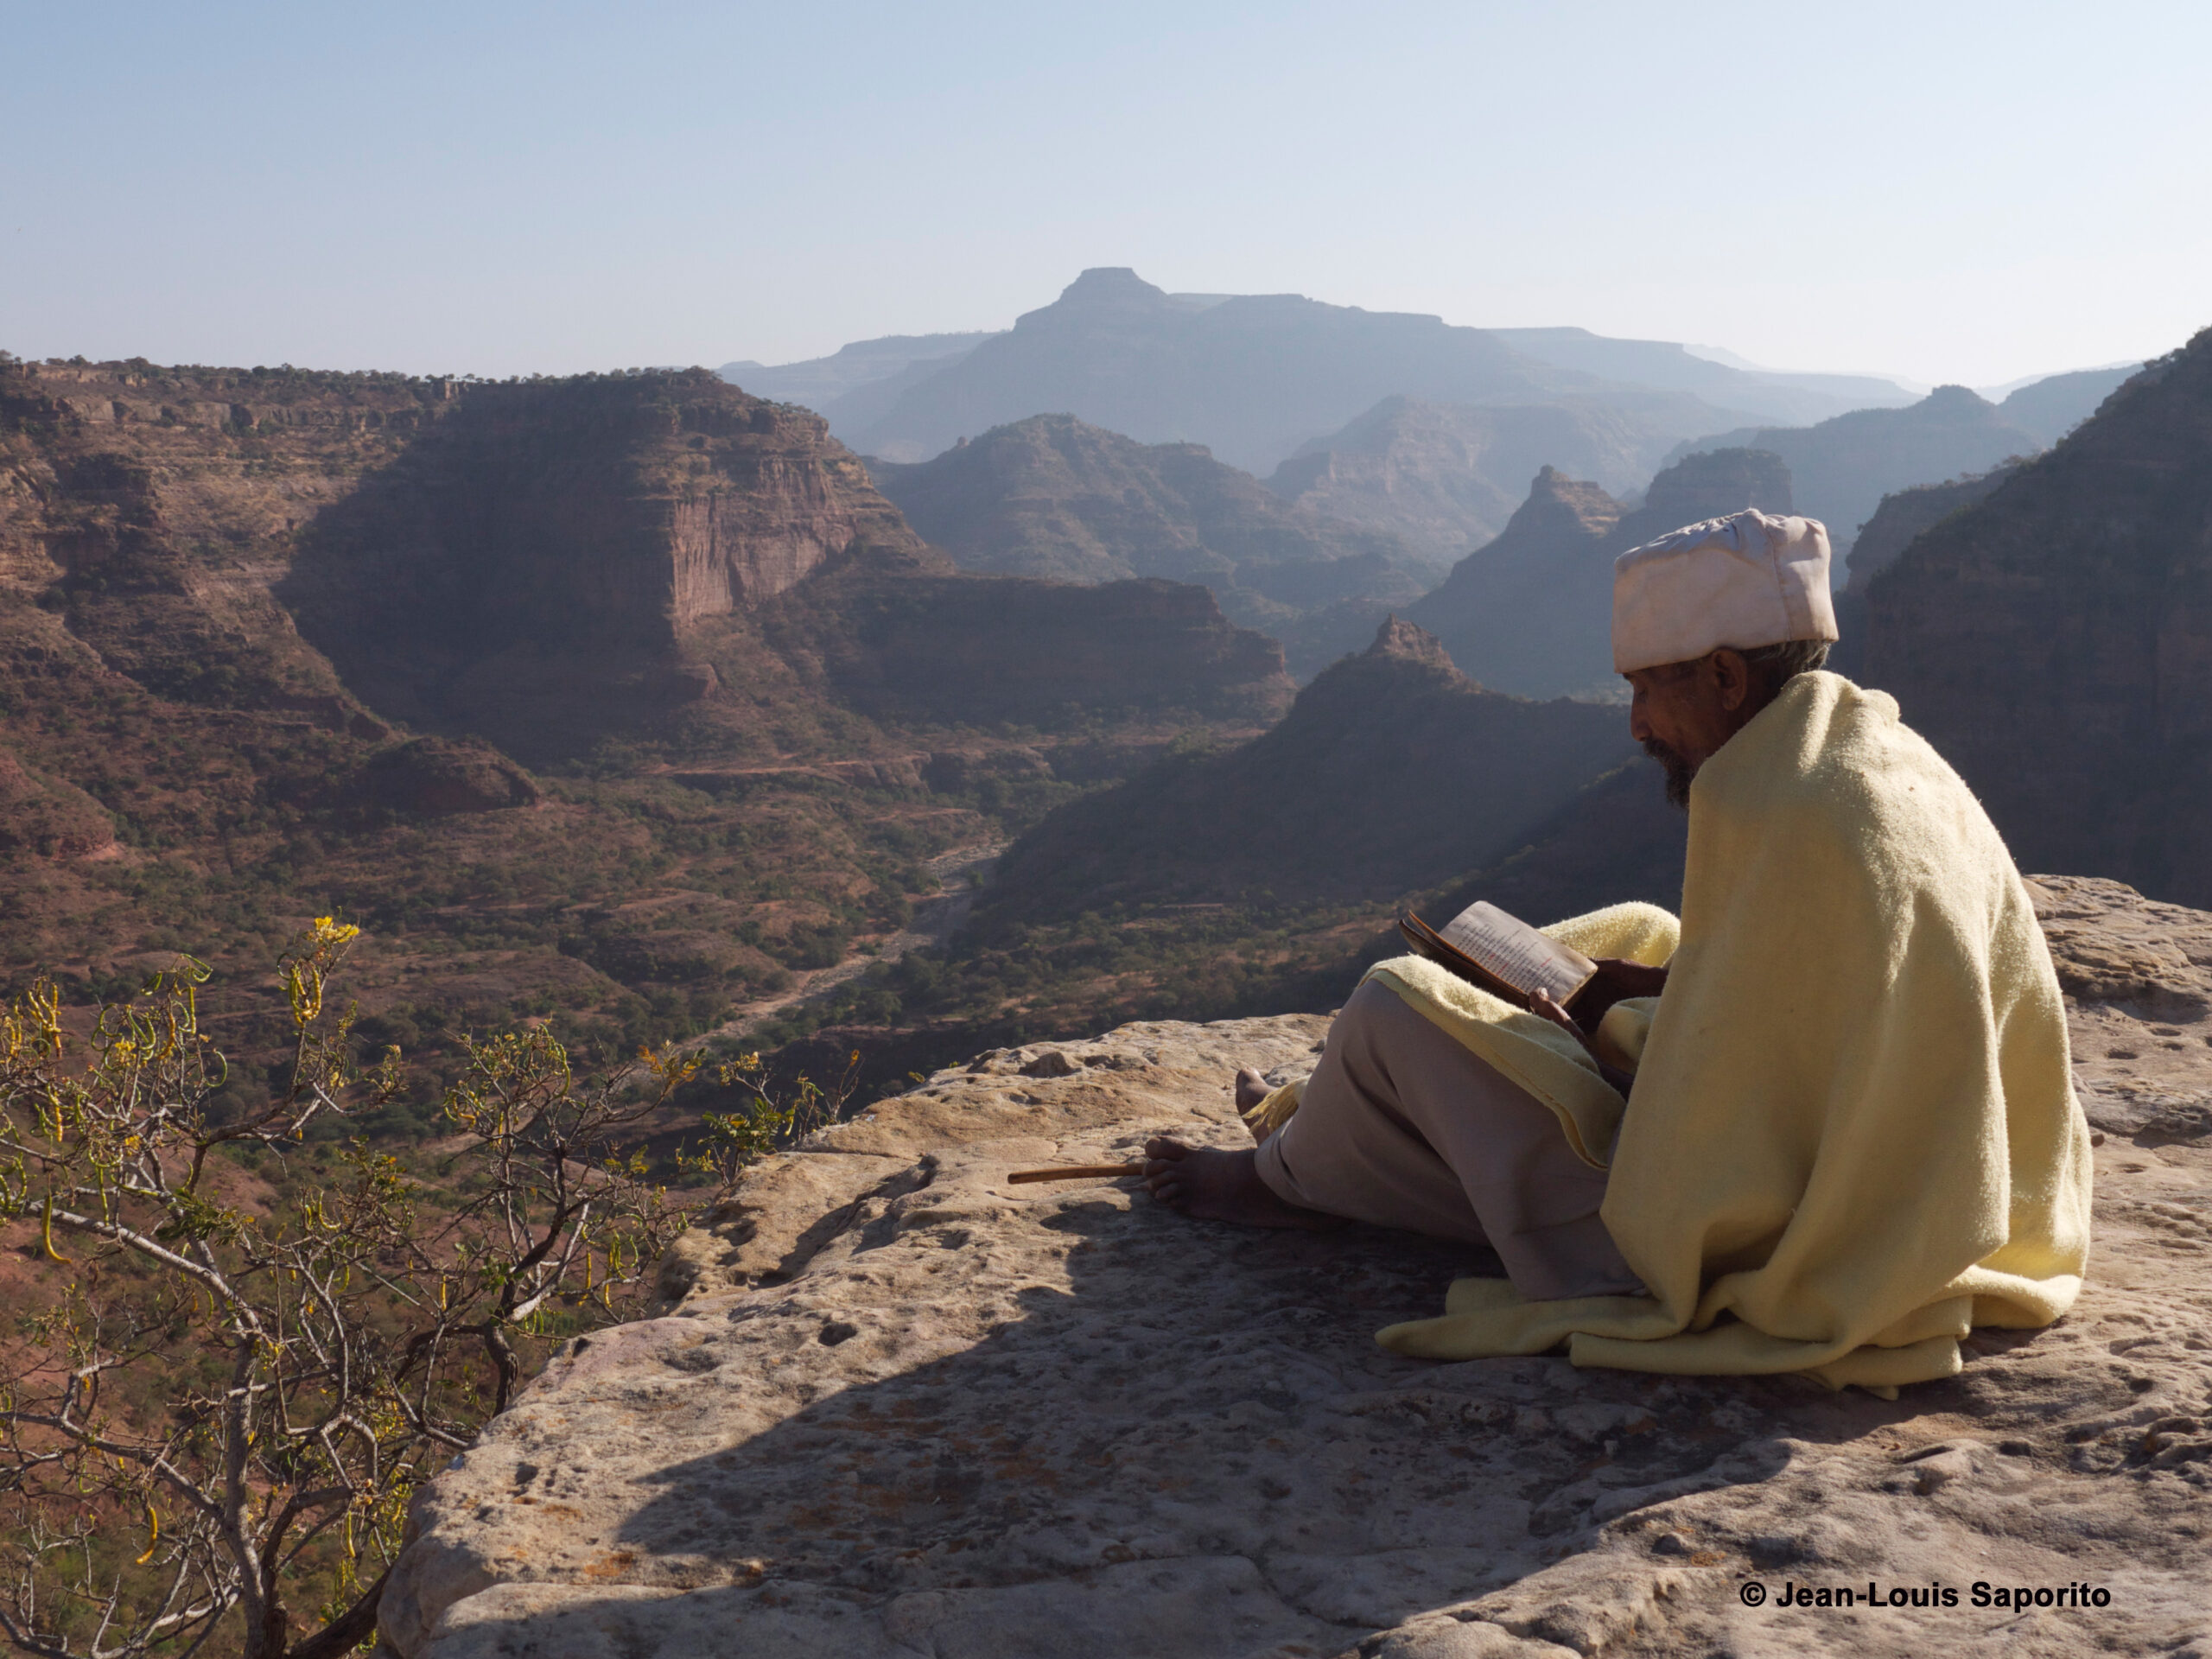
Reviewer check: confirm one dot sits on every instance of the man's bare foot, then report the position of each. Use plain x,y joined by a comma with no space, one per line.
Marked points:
1212,1184
1251,1090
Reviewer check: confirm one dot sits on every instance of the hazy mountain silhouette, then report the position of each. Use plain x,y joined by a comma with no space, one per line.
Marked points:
1445,477
1840,469
2055,405
824,384
1251,375
1777,394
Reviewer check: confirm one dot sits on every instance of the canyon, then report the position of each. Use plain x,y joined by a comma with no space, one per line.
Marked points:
522,677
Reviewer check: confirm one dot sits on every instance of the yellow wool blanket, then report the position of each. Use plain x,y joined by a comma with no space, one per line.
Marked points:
1854,1134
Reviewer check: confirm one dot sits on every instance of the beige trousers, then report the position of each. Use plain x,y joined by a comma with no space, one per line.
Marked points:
1402,1126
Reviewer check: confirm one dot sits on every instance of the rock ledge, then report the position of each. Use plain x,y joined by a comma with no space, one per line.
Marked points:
901,1408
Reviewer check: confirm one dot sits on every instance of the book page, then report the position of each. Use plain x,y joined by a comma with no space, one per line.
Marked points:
1516,952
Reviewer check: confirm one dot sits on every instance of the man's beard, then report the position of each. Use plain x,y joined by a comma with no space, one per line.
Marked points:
1679,771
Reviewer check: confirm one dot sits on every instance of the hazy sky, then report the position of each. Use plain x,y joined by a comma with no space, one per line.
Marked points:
1949,191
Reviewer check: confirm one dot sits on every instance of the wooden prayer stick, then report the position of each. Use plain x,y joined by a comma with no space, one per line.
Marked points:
1074,1172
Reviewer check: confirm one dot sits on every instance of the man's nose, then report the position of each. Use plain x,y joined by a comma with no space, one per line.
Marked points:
1638,728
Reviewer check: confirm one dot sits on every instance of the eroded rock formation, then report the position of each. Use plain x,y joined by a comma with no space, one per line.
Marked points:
900,1407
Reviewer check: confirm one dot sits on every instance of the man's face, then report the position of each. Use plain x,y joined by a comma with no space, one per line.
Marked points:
1682,713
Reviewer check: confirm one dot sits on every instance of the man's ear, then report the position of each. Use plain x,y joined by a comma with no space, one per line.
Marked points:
1731,677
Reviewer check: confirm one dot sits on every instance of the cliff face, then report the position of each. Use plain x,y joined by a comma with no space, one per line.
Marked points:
533,566
1531,612
2055,641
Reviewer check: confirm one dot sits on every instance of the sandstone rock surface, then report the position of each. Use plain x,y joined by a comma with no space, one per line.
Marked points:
901,1407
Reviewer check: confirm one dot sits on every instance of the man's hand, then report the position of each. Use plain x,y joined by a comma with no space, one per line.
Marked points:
1617,980
1543,1008
1625,978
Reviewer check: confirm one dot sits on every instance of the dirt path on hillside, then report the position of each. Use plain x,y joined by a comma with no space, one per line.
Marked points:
935,920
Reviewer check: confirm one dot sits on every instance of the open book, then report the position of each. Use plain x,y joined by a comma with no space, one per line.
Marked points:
1501,954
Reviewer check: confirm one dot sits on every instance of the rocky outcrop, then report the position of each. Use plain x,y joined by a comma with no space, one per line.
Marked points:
1532,611
1391,772
1842,467
902,1407
435,777
2055,641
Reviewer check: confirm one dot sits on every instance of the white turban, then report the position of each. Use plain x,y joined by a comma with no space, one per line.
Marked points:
1747,580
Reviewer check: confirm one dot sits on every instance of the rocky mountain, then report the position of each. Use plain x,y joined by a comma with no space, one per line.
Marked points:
1052,496
1444,477
1251,375
1391,772
1531,612
899,1405
1840,469
2055,640
2050,407
625,701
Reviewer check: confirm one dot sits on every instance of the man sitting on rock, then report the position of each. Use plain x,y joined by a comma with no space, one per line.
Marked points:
1824,1123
